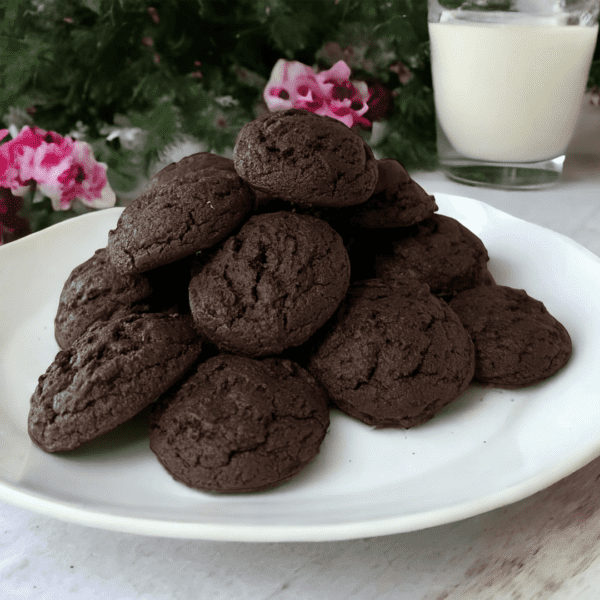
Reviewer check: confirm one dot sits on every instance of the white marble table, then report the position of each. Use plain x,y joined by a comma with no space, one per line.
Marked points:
545,547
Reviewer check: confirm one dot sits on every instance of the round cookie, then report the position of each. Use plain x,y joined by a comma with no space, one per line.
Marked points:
517,341
178,219
271,286
394,355
107,376
240,425
96,291
191,167
305,158
439,251
397,200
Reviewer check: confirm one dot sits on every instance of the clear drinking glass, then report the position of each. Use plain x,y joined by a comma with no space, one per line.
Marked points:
508,80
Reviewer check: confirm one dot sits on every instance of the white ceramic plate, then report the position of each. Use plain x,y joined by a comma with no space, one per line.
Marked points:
489,448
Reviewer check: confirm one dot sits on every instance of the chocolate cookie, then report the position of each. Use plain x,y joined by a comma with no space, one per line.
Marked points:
107,376
191,167
439,251
240,425
394,355
517,341
178,219
305,158
271,286
397,200
96,291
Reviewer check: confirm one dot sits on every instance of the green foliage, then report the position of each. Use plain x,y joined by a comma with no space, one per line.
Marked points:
41,215
198,67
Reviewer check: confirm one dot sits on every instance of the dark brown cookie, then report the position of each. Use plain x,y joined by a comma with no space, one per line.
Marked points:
397,200
439,251
517,341
107,376
178,219
191,167
394,355
239,424
96,291
305,158
271,286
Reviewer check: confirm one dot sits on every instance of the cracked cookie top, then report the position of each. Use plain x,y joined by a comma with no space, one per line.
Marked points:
237,424
175,220
394,355
191,167
271,286
517,341
397,200
108,375
96,291
304,158
439,251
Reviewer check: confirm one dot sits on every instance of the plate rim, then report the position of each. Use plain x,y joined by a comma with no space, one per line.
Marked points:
240,532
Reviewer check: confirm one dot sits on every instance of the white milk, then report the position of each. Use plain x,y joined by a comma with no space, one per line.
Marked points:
509,92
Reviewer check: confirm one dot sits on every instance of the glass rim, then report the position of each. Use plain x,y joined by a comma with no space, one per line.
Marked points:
576,13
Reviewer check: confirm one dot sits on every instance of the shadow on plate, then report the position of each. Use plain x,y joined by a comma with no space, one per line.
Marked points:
125,441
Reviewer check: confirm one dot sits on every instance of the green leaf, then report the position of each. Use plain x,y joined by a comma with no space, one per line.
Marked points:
93,5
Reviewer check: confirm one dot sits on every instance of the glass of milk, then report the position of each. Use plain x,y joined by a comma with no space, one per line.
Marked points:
508,80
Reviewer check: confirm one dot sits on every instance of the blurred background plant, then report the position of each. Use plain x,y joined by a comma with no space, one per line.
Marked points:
145,82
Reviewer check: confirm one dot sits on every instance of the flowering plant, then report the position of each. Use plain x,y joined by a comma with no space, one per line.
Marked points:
135,80
38,164
330,93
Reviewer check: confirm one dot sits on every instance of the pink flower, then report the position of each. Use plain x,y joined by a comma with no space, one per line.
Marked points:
154,14
43,164
85,179
62,168
329,93
293,85
20,151
404,73
381,102
348,100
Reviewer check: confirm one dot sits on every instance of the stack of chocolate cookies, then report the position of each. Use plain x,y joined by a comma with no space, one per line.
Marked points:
241,298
